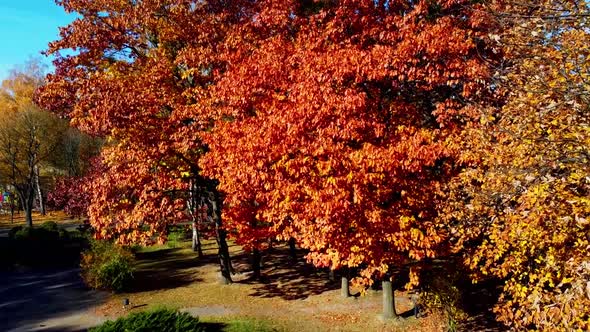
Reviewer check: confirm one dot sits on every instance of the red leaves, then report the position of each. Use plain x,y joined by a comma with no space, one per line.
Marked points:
327,164
322,122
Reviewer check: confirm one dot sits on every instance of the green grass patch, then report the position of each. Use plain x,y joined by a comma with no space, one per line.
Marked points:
249,326
239,325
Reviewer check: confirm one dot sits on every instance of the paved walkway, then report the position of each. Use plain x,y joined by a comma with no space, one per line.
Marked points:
51,300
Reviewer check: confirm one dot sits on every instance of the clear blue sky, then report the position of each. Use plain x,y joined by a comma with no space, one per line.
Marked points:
26,26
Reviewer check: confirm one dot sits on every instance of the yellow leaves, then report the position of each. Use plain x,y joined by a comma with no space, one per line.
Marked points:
536,234
416,234
414,279
405,221
331,180
486,119
280,97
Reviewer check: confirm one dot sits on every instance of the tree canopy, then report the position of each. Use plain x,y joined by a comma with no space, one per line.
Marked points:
524,209
29,136
376,134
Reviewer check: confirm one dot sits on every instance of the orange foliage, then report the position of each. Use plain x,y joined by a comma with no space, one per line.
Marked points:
336,123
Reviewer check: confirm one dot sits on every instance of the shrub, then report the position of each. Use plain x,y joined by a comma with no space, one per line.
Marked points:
440,292
63,234
249,326
13,231
164,320
77,235
107,266
50,226
46,245
36,246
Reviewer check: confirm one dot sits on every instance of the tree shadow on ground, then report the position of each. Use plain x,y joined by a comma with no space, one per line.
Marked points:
409,313
166,269
283,277
449,280
478,301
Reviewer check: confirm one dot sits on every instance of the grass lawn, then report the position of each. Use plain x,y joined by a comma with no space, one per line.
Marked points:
291,297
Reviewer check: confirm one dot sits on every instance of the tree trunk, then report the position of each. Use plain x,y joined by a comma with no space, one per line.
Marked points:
292,249
21,204
344,289
11,206
29,215
196,218
256,258
224,259
331,275
27,196
39,191
388,300
197,241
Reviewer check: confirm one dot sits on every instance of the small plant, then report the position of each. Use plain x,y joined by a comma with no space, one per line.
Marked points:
50,226
107,266
13,231
440,292
161,320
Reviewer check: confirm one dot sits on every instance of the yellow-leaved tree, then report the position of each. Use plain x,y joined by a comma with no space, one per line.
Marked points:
29,137
523,209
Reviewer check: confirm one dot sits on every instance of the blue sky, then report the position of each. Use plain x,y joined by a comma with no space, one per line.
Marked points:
26,26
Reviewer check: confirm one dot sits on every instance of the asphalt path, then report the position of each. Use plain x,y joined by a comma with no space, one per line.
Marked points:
48,300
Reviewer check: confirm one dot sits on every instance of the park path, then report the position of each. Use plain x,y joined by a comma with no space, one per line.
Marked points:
49,300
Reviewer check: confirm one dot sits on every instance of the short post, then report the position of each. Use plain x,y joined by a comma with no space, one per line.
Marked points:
125,303
415,302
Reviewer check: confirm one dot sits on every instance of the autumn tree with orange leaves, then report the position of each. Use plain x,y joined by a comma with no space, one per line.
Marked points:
335,123
339,122
126,83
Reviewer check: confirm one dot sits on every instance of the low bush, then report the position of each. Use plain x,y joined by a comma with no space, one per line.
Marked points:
107,266
45,245
441,292
12,232
161,320
50,226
